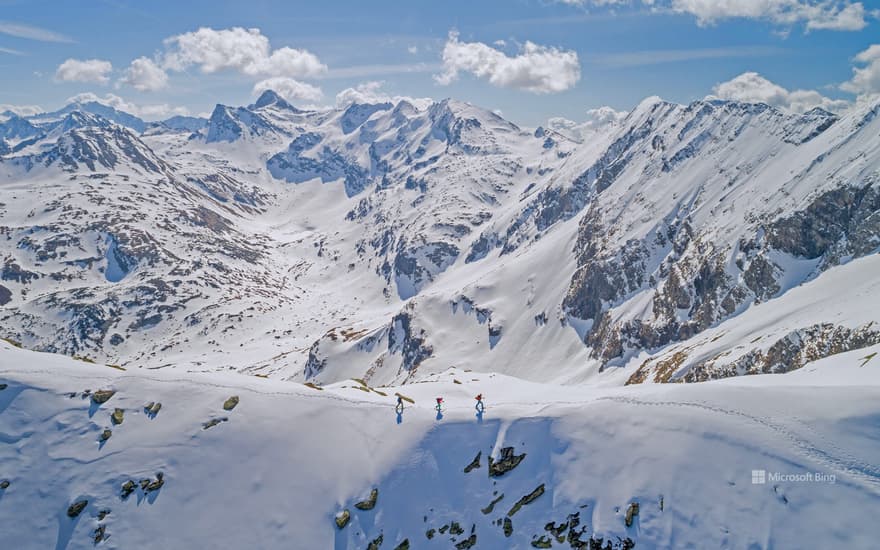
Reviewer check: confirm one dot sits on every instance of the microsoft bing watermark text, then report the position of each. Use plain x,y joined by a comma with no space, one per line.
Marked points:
760,477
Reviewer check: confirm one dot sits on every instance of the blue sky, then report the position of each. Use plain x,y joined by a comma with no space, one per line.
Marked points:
623,52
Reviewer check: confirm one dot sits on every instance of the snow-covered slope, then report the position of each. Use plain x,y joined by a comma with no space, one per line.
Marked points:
277,469
391,241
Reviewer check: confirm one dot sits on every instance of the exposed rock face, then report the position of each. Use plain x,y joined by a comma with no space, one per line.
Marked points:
527,499
376,543
213,422
342,519
789,353
102,396
370,503
414,268
230,403
505,463
99,534
156,484
127,489
698,284
475,463
631,512
836,224
151,409
491,506
314,364
409,341
76,508
328,164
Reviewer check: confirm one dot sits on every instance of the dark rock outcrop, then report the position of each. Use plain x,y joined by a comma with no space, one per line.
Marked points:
76,508
505,463
370,503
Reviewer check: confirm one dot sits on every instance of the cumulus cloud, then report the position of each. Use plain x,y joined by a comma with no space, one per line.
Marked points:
537,69
290,89
596,120
368,92
840,15
866,80
144,75
372,92
245,50
751,87
153,111
604,116
89,70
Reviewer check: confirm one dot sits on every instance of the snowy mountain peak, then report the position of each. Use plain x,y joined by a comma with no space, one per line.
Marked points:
105,111
271,98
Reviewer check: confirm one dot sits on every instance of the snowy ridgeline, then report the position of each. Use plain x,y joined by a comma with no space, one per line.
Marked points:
235,461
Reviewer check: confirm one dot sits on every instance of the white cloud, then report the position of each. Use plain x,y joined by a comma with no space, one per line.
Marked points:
89,70
754,88
30,32
839,15
368,92
536,69
372,92
865,80
145,75
413,49
152,112
243,50
596,120
290,89
604,116
21,110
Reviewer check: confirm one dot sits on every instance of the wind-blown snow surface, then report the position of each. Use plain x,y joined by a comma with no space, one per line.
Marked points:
289,457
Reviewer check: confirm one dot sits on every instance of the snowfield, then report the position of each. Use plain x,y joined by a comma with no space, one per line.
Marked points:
278,468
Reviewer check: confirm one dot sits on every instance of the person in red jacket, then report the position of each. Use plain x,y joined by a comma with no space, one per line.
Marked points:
439,403
479,405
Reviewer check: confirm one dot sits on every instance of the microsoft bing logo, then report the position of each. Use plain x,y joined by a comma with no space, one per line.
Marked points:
759,477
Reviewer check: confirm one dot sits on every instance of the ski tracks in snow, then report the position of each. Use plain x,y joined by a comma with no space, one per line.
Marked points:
829,456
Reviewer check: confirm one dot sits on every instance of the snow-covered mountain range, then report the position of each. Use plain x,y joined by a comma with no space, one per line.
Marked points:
245,296
393,241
